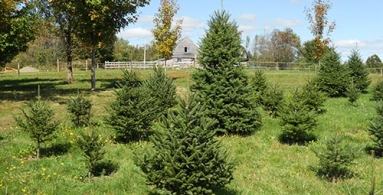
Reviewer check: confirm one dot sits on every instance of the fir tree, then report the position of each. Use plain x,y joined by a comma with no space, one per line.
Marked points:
377,93
297,121
38,122
375,130
187,158
80,109
312,97
221,83
352,93
259,85
335,157
139,104
358,71
272,100
333,78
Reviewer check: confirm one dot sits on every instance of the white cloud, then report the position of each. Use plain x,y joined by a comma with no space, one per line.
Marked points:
145,19
134,33
287,23
349,44
247,17
247,29
190,24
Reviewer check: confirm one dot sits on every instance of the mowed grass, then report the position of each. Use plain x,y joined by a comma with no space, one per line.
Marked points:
263,165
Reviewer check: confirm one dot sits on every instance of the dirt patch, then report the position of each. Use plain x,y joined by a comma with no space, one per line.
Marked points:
29,69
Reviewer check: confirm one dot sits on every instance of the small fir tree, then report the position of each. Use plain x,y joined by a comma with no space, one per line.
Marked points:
80,109
91,143
139,104
37,120
259,85
297,121
375,130
222,84
333,77
272,99
335,157
353,93
312,97
358,71
377,92
186,158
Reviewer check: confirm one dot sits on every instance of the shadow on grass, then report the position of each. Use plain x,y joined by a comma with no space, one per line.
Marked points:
21,89
56,149
104,168
226,191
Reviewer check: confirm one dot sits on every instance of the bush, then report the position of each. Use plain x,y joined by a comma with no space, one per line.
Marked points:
335,157
37,121
312,97
272,100
259,85
186,158
353,93
80,109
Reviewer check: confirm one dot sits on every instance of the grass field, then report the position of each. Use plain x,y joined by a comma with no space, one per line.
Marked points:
263,165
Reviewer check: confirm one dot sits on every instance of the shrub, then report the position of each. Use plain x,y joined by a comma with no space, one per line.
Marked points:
259,85
37,121
80,109
335,157
186,158
272,99
312,97
353,93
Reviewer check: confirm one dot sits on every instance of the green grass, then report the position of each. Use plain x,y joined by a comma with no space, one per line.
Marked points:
263,165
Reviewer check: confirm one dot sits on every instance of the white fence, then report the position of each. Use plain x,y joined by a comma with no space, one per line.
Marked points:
129,65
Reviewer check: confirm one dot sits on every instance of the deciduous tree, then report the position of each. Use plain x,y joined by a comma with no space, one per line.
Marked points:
165,38
317,17
17,28
374,62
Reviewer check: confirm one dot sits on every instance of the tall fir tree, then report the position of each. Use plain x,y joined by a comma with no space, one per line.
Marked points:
358,71
186,157
221,83
333,78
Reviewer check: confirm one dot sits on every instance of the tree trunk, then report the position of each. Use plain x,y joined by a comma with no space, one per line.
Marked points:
68,43
93,70
38,149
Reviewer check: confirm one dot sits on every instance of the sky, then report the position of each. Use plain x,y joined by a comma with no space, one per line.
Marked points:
359,23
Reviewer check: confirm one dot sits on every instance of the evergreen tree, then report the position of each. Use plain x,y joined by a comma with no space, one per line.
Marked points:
375,130
335,157
352,93
221,83
377,93
80,109
37,121
272,100
312,97
186,158
333,77
139,104
358,72
297,121
259,85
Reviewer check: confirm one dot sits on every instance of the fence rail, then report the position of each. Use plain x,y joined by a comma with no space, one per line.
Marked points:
129,65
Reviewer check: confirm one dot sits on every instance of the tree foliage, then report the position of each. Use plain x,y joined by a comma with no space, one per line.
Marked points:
285,45
166,37
375,129
317,17
377,91
333,78
297,121
358,72
186,157
221,83
80,109
374,62
335,157
37,120
17,21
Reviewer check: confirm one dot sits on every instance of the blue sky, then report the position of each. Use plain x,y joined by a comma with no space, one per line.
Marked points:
358,22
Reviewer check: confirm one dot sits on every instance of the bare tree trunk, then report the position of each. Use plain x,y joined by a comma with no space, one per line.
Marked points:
68,43
93,70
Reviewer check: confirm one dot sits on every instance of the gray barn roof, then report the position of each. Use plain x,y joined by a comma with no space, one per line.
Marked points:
186,48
